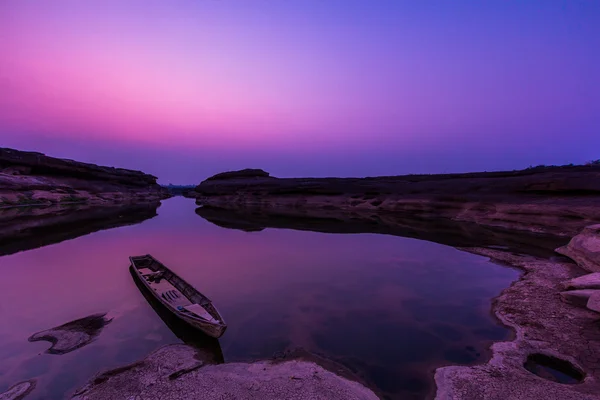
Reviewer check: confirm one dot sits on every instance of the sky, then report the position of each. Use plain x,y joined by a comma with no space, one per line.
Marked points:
183,89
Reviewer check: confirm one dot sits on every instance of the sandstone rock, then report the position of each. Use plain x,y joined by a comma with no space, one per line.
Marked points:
72,335
18,391
173,372
577,298
594,302
555,200
40,164
589,281
584,248
544,326
33,178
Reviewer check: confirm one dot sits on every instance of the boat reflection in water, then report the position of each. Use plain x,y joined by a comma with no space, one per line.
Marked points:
209,349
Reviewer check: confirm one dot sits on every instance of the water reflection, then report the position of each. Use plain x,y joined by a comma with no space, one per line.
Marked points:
25,228
441,230
389,308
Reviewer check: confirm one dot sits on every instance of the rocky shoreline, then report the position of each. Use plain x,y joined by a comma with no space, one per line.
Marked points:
45,200
545,328
540,221
174,372
29,178
557,201
517,218
549,332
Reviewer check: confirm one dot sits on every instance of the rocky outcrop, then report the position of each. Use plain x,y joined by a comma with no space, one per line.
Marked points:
546,329
19,390
72,335
584,248
550,200
174,372
28,178
589,281
594,302
577,297
25,228
241,174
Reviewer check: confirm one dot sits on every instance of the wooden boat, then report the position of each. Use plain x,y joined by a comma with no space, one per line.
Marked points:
178,296
208,349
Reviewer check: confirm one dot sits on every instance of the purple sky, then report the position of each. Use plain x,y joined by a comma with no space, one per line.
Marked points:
186,88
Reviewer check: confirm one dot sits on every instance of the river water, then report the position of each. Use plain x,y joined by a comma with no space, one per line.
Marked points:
389,308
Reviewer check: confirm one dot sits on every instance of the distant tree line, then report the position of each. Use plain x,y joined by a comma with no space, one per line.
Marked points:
179,190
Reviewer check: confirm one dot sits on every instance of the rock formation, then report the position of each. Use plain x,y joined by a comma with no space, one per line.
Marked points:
584,248
28,178
563,334
72,335
589,281
511,217
558,201
19,390
173,372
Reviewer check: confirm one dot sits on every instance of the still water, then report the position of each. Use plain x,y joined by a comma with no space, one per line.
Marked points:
389,308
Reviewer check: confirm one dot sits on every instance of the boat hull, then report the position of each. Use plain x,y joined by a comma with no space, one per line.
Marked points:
210,329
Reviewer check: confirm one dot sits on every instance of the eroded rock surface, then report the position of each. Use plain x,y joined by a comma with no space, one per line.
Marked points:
173,372
551,200
577,297
584,248
18,391
594,302
28,178
588,281
544,325
72,335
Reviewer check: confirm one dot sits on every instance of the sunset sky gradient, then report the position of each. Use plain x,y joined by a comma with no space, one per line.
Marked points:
186,88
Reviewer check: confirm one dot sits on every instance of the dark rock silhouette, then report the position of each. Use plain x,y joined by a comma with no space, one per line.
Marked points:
556,201
244,173
33,178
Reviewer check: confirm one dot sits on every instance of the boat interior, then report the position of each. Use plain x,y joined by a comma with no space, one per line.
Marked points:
174,292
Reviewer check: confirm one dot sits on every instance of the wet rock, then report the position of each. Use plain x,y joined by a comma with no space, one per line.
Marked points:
18,391
173,372
589,281
577,298
594,302
584,248
72,335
